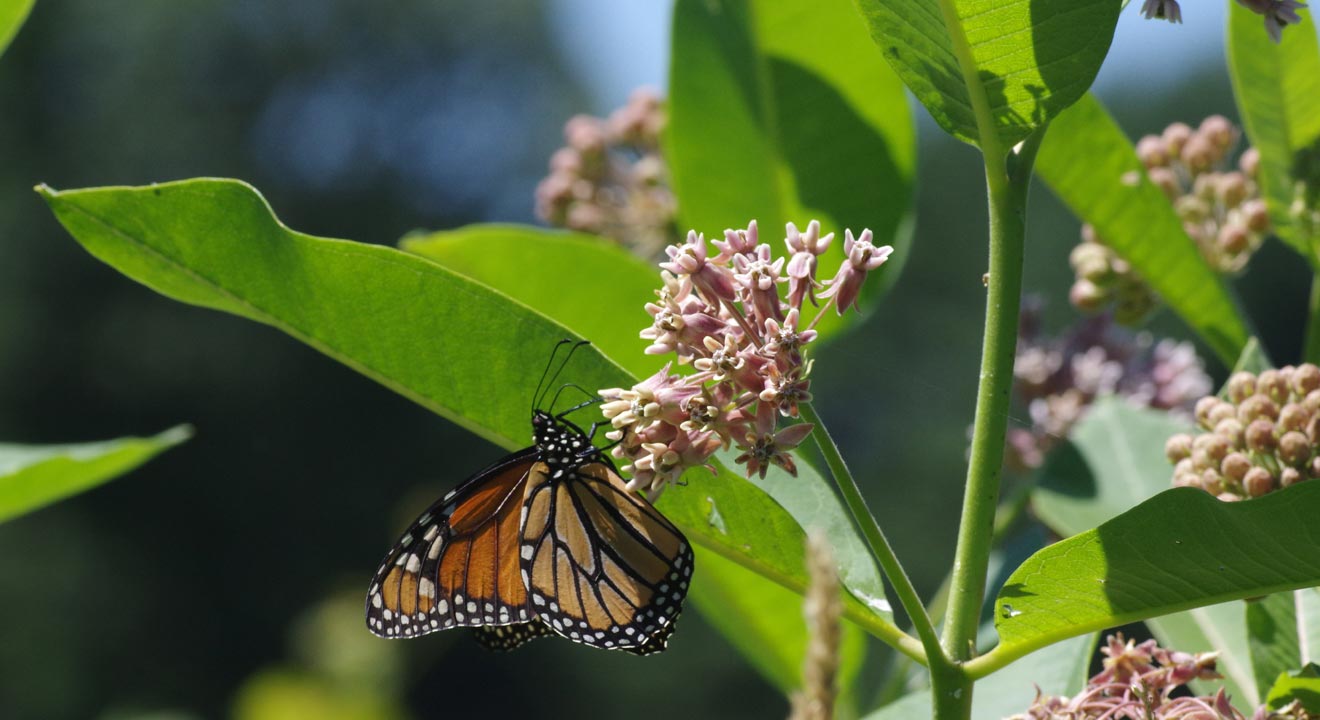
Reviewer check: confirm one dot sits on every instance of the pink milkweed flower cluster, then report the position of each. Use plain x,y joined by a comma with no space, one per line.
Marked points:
1137,683
732,311
611,179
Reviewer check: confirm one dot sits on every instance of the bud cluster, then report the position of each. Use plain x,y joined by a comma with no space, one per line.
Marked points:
611,179
736,319
1058,378
1221,210
1262,438
1138,681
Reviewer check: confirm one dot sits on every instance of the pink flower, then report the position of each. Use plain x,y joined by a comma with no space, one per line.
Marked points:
802,266
1278,14
1162,10
689,259
758,276
761,450
737,242
863,257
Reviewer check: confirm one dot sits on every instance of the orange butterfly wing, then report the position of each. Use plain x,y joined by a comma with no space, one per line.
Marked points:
457,564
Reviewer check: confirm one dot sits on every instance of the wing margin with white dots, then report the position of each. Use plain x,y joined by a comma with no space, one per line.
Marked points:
602,566
456,565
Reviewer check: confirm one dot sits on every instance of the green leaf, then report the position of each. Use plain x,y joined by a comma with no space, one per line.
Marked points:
33,476
459,348
589,285
1112,460
1030,58
765,623
1278,93
1272,635
12,15
1302,685
1179,550
1059,669
598,311
783,112
1092,167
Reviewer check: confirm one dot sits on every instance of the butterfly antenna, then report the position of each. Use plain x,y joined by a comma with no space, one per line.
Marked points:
592,398
547,377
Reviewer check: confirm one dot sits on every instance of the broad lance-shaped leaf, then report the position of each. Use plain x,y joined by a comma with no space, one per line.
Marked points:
1091,165
610,312
443,340
781,112
1059,669
1301,685
12,15
765,622
32,476
1027,60
1112,460
1278,93
1181,549
1278,632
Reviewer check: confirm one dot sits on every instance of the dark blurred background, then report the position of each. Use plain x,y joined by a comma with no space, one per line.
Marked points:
225,577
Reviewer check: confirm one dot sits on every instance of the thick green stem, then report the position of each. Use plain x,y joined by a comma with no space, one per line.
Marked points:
1311,351
875,537
1007,179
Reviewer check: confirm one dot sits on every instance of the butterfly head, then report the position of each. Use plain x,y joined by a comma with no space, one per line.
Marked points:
560,443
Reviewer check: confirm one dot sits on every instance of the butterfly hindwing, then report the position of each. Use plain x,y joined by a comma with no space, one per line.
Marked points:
602,566
456,565
508,637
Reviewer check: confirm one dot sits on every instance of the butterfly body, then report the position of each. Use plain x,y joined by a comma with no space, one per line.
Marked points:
546,541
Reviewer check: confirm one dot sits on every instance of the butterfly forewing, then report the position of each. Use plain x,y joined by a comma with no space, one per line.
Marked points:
457,564
602,566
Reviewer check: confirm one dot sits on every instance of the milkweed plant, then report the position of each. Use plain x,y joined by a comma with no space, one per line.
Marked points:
1135,487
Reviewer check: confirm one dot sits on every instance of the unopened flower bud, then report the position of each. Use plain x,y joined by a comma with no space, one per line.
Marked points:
1215,447
1091,262
1232,430
1191,480
1192,209
1166,180
1255,215
1292,417
1212,481
1290,476
1175,136
1178,447
1220,413
1199,153
1204,407
1218,130
1273,385
1241,386
1249,163
1257,407
1314,467
1305,379
1294,448
1086,296
1228,497
1231,189
1258,482
1260,436
1151,151
1235,466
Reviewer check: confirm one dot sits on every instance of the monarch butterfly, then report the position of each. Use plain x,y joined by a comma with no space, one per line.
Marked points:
546,541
